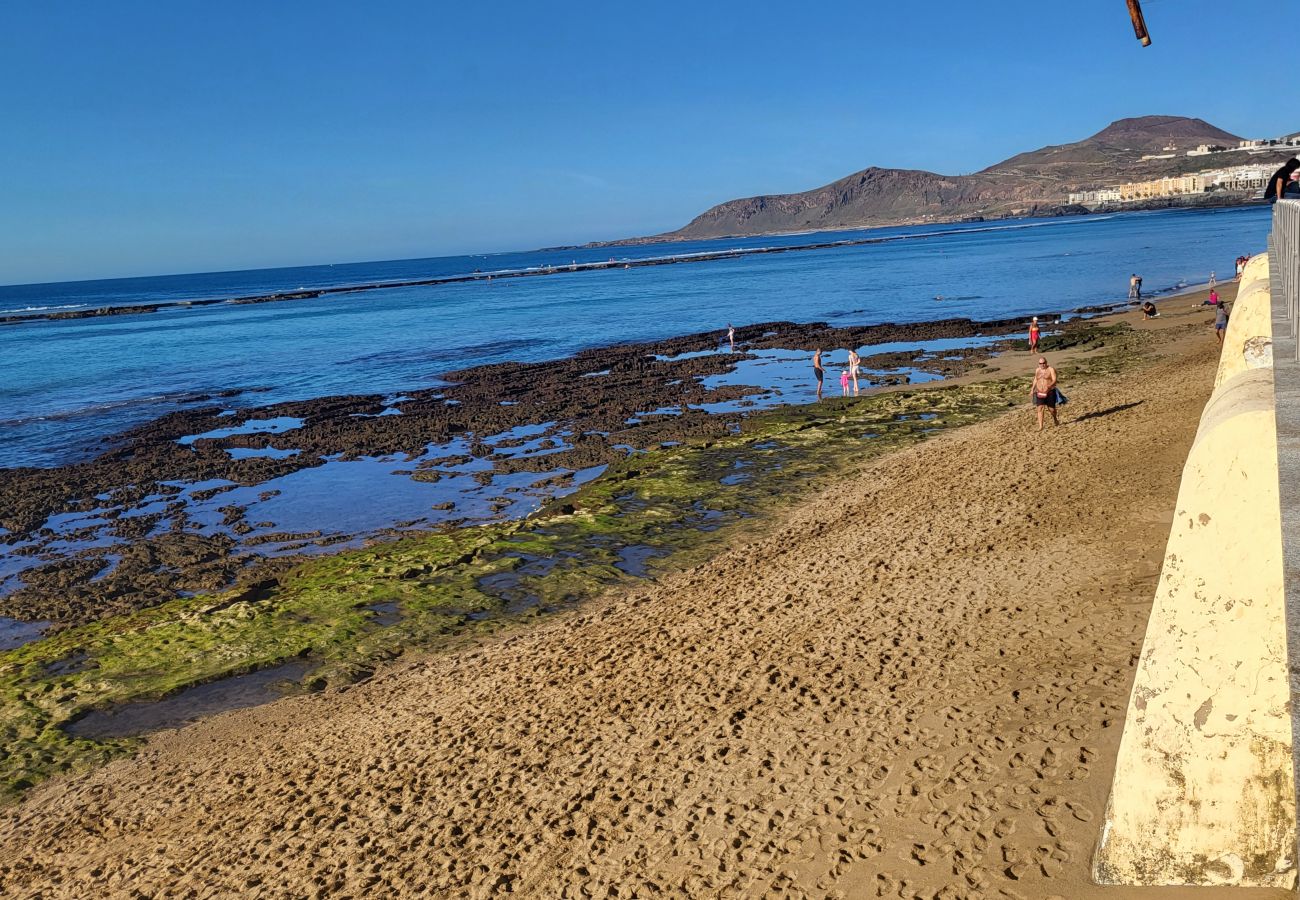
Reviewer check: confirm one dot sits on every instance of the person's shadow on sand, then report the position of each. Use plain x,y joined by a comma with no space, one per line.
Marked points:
1106,412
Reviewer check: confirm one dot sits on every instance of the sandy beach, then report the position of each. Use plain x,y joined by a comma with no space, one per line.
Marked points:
912,685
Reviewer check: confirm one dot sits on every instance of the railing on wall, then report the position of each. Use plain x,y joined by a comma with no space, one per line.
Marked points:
1284,266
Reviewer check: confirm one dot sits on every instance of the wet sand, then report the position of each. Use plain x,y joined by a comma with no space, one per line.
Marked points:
912,685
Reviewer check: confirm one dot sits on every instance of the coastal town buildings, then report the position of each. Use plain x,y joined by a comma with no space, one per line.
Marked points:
1162,187
1234,178
1088,198
1292,140
1254,145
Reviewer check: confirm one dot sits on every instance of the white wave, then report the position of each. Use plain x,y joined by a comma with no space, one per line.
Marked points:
23,309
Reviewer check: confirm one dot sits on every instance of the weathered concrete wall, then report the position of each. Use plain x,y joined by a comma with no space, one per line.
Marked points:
1203,790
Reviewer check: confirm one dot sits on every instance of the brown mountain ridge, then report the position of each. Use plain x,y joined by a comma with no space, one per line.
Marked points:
1029,184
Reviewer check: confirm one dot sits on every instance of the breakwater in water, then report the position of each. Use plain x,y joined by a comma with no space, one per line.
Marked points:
699,256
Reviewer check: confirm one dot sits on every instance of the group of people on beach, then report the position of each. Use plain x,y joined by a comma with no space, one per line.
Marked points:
848,375
1046,396
1045,390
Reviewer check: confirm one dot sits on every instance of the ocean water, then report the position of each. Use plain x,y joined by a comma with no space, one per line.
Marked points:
68,384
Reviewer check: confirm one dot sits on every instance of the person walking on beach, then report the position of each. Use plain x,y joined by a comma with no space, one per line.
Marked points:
1034,334
1213,281
1044,391
1220,321
844,382
854,362
731,336
818,371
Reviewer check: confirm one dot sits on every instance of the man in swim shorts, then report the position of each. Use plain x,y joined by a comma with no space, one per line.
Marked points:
1044,391
1220,321
818,371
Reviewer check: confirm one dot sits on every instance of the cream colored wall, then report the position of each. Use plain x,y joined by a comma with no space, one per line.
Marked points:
1203,790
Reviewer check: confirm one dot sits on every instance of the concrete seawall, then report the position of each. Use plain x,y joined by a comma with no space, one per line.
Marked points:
1203,791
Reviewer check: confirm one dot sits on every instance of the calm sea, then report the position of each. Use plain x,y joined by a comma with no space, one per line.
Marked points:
67,384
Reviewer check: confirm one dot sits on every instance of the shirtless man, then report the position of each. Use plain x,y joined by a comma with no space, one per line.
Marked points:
818,371
1044,391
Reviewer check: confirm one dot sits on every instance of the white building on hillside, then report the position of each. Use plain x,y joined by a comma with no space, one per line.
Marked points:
1240,178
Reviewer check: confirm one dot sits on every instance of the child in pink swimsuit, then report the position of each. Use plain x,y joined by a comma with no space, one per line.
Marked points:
844,381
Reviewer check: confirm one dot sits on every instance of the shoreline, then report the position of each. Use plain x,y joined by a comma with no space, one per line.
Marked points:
913,677
647,519
205,496
651,512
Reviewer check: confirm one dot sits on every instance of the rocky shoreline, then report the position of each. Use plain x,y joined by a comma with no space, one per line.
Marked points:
176,506
153,578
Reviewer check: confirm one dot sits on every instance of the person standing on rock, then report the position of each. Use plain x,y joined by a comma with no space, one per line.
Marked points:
1044,391
1034,335
818,371
854,362
731,336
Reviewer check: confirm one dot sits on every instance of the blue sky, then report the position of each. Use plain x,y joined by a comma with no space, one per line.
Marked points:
143,138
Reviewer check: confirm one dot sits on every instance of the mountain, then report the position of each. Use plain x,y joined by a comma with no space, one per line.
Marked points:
1033,183
1121,143
1153,133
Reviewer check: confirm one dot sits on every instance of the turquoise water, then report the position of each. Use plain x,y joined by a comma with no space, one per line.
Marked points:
68,384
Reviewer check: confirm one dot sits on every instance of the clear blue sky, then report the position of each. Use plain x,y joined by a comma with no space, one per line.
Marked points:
143,138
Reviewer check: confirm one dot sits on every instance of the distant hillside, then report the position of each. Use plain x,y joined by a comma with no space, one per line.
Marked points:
1029,184
1155,133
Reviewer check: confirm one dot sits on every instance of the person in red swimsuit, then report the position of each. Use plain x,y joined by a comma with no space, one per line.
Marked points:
1033,335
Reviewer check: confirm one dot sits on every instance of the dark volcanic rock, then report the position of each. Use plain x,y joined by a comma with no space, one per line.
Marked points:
600,399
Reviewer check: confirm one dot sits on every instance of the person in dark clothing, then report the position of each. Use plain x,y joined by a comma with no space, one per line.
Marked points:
1280,184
